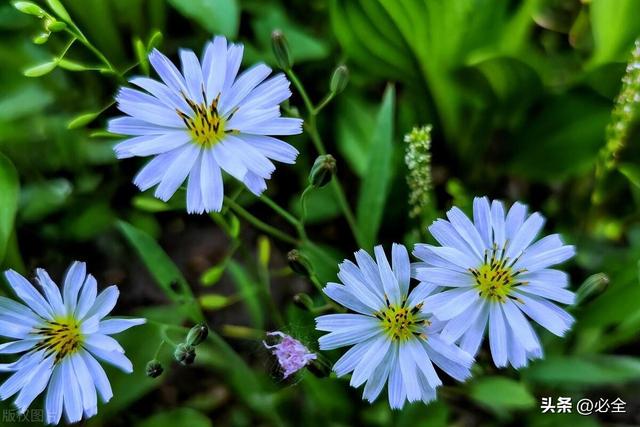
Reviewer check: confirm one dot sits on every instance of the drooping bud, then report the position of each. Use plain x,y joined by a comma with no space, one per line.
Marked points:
303,301
292,355
154,368
41,38
281,50
591,288
52,25
29,8
322,170
339,79
185,354
299,263
197,334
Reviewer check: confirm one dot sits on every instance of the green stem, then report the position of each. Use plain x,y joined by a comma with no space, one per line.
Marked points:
75,32
303,204
240,211
303,93
279,210
327,99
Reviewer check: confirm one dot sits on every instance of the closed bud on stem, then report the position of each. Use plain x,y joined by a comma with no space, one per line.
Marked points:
154,368
53,25
29,8
41,38
303,301
339,79
299,263
281,50
591,288
185,354
322,170
197,334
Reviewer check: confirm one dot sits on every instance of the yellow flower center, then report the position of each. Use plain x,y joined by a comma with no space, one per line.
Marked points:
61,336
401,323
205,124
494,281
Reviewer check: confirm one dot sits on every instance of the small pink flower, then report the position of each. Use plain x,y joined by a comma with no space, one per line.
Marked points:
292,355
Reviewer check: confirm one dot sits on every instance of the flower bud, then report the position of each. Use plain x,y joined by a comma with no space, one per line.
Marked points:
185,354
339,79
591,288
197,334
54,26
154,369
303,301
299,263
41,38
322,170
29,8
281,50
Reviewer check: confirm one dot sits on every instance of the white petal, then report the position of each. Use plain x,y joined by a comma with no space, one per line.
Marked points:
397,392
115,358
547,314
370,360
214,66
152,172
192,75
333,322
102,342
380,375
444,277
351,358
104,303
515,219
87,297
526,234
39,381
516,320
456,305
349,336
369,270
389,280
51,291
177,173
87,387
272,148
482,220
99,377
115,326
71,392
409,372
27,293
341,295
465,228
457,326
73,281
417,351
53,400
401,267
497,223
497,335
211,183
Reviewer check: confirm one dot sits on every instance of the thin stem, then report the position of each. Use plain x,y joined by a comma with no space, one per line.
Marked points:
157,353
258,223
75,31
303,93
279,210
327,99
303,204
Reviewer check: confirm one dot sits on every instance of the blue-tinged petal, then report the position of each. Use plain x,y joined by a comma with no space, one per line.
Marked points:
457,305
416,349
131,126
254,183
21,376
89,326
515,219
449,351
453,256
104,302
445,233
13,347
401,267
39,381
334,322
428,393
389,280
409,372
348,336
456,327
546,259
354,281
549,291
167,71
456,370
87,297
547,243
273,91
430,259
482,220
278,126
420,293
150,145
472,339
98,375
343,296
54,398
497,335
115,358
162,93
156,114
397,392
250,118
211,183
547,276
243,85
177,173
370,273
444,277
516,351
194,186
467,230
73,281
351,358
72,396
214,66
547,314
227,160
192,75
370,360
18,313
272,148
439,300
102,342
27,293
252,159
11,329
525,235
379,377
51,291
152,172
497,222
86,385
115,326
234,59
522,330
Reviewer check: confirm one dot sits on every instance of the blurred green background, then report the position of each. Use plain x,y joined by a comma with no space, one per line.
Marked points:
519,93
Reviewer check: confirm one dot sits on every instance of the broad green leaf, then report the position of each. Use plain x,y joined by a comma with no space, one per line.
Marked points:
82,120
9,192
41,69
499,394
376,183
615,26
249,290
162,269
572,371
179,417
39,199
216,16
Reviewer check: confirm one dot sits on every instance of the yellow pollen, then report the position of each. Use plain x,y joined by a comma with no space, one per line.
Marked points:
61,336
401,323
494,281
205,124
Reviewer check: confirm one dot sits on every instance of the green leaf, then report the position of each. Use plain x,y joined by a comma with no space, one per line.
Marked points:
614,29
356,122
248,288
41,69
154,40
141,54
9,191
499,394
214,301
179,417
70,65
632,172
216,16
162,269
59,10
600,370
213,275
82,120
41,199
375,185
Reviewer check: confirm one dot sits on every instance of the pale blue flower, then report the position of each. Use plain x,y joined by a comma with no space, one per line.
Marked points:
204,120
61,336
493,272
393,341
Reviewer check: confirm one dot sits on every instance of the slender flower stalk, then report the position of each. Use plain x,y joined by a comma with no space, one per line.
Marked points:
61,336
490,271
